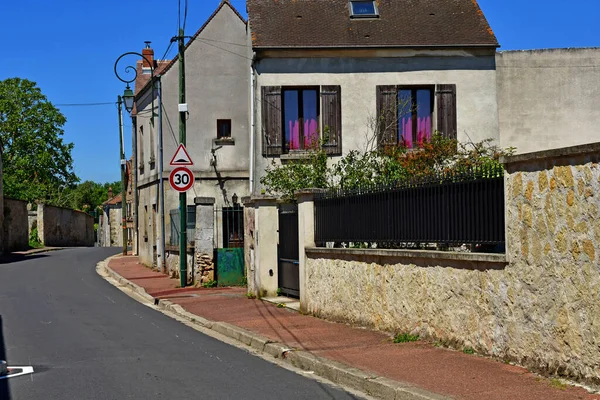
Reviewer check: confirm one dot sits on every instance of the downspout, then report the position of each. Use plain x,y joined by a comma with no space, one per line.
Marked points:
161,184
252,123
134,174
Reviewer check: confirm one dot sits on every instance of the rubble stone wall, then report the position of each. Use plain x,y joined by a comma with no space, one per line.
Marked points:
540,308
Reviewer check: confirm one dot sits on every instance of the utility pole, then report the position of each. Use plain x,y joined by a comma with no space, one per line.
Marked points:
123,186
182,196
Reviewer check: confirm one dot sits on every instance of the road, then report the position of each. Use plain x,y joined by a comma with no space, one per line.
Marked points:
87,340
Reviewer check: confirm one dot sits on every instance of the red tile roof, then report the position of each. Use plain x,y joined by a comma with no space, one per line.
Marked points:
401,23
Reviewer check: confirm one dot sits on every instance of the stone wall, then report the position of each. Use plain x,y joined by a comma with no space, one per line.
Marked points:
64,227
16,231
541,309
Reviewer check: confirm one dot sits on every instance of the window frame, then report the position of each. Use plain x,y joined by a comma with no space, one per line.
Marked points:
300,89
414,111
220,124
354,15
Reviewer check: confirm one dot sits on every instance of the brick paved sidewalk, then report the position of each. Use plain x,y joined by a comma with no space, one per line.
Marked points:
419,364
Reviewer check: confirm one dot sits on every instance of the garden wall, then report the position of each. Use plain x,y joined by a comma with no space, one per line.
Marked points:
16,231
64,227
538,305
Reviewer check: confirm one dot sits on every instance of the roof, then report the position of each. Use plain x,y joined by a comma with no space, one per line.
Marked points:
401,23
113,200
140,84
142,79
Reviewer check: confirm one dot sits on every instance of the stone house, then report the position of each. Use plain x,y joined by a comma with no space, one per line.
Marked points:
217,75
110,232
345,72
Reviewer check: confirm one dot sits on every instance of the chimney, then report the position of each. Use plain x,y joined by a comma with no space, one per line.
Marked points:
110,193
148,53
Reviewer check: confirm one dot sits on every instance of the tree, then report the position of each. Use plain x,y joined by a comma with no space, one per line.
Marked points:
37,163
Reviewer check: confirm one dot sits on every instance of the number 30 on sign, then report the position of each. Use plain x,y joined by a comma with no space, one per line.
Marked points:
181,179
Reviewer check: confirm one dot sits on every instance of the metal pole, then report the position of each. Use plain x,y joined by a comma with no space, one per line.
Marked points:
123,186
134,172
182,196
160,174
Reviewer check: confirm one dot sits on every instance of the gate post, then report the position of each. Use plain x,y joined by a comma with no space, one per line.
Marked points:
249,244
266,226
204,240
306,234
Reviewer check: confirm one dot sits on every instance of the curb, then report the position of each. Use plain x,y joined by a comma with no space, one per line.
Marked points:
335,372
37,251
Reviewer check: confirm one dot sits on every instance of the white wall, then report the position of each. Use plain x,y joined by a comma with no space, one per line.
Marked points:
549,98
472,72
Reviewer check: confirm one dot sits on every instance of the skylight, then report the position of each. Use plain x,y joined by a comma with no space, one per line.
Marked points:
363,9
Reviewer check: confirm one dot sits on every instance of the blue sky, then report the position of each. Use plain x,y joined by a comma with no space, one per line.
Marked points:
69,48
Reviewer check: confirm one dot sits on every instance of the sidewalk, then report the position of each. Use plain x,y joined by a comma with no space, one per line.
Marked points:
420,365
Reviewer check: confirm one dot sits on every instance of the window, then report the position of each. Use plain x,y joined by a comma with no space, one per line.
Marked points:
300,118
141,146
407,113
363,9
223,128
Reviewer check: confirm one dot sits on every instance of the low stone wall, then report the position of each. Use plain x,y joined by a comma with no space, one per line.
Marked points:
541,309
16,231
63,227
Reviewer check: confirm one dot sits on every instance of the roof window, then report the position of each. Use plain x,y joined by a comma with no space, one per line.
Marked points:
363,9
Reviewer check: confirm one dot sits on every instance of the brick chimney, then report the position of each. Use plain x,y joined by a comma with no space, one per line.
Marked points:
148,53
110,193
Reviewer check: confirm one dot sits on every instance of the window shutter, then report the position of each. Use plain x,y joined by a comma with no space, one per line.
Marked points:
272,131
331,111
446,110
387,115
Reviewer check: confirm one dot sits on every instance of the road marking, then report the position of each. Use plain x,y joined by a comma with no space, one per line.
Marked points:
19,371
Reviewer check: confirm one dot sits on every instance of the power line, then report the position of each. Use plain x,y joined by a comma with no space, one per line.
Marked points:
83,104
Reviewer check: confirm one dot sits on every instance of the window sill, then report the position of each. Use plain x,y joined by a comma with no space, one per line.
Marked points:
296,155
224,142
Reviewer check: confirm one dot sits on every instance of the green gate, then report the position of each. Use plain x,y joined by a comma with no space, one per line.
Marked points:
230,270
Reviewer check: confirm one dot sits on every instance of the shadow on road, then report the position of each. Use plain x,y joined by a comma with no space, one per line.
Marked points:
4,392
12,258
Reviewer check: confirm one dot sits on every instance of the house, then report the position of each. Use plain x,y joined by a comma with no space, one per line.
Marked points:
110,227
345,73
217,76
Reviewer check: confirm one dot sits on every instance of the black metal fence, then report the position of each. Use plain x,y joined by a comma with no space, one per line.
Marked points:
451,209
230,226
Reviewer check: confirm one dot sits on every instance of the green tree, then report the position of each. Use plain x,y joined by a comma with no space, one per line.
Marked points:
37,163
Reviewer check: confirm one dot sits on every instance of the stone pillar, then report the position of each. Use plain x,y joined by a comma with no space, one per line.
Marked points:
204,270
266,241
306,235
249,244
40,223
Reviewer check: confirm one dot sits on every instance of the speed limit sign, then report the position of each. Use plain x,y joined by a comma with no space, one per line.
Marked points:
181,179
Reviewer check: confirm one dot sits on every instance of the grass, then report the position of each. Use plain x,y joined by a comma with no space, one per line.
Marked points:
405,338
210,284
468,350
280,305
251,296
556,383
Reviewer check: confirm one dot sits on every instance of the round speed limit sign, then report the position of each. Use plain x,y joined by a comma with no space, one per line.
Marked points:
181,179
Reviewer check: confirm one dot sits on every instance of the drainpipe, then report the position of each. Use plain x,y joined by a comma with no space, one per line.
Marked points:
161,188
252,123
134,174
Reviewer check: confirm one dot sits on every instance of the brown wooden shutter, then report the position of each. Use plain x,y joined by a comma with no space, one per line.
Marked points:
387,116
272,130
331,114
445,96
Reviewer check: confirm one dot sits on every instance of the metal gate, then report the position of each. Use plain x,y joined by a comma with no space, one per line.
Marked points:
289,273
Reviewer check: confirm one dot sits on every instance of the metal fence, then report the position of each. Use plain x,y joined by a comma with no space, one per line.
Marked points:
451,209
230,226
190,225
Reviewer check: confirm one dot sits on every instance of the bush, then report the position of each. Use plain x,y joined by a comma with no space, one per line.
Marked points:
34,240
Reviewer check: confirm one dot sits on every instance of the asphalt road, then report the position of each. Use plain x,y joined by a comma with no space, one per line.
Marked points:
87,340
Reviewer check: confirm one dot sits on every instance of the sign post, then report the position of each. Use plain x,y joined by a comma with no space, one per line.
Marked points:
182,180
